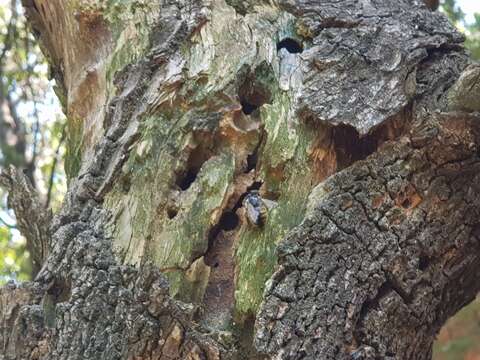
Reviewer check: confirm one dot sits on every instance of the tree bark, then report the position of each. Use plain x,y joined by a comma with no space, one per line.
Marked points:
357,124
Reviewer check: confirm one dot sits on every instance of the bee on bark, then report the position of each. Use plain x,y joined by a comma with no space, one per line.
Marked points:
257,208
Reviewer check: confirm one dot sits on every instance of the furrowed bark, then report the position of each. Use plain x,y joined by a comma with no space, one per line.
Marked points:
178,109
388,251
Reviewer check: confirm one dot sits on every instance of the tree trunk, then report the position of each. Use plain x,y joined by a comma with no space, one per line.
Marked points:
254,180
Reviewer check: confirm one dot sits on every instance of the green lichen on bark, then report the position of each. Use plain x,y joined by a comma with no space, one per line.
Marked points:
73,153
231,59
131,23
286,149
197,212
174,241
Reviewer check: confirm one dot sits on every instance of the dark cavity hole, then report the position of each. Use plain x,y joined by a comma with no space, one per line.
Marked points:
254,87
406,203
291,45
251,162
186,179
216,265
255,186
351,146
423,262
171,212
188,174
228,221
60,290
248,108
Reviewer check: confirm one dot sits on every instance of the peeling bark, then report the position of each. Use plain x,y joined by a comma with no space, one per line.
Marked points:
177,110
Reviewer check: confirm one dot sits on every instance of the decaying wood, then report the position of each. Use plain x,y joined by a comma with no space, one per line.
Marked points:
179,109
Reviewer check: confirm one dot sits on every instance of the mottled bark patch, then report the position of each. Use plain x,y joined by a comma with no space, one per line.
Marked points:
383,254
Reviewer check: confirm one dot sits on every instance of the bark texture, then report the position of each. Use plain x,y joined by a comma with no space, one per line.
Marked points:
33,218
340,113
388,251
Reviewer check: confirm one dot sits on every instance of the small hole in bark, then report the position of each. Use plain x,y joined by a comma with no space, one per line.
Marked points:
172,212
291,45
228,221
406,203
254,90
255,186
251,162
125,183
186,179
60,290
188,174
423,262
248,108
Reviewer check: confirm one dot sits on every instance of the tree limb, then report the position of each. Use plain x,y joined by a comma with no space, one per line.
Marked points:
33,220
388,251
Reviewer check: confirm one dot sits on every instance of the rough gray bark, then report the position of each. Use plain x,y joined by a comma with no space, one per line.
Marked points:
388,248
387,253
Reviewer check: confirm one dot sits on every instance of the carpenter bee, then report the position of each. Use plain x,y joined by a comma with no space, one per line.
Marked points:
257,208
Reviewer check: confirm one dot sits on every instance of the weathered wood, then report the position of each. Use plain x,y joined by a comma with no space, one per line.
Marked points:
178,109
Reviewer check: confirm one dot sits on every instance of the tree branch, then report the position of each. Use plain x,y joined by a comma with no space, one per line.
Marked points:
33,220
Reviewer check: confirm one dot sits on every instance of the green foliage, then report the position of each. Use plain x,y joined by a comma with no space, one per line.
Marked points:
14,259
453,11
473,37
459,338
471,30
73,154
31,130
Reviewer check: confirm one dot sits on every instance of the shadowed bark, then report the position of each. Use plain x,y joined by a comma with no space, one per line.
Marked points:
338,113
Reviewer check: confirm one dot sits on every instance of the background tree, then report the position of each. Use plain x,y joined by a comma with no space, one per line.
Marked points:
472,30
31,128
